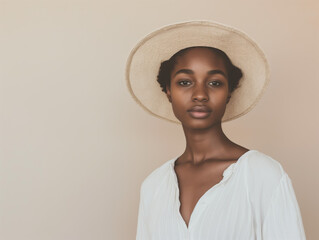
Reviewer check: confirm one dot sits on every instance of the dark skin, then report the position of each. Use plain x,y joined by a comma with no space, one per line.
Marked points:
208,151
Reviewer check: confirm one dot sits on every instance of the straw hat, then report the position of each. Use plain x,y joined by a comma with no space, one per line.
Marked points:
143,64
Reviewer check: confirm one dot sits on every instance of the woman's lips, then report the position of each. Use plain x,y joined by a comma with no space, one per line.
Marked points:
199,114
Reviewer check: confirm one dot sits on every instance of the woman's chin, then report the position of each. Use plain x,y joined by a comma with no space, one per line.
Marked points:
198,123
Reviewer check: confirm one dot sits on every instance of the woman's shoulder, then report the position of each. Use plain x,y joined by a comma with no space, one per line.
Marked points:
262,171
268,186
157,176
263,175
260,165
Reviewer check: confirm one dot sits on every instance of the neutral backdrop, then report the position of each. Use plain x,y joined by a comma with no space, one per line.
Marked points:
75,147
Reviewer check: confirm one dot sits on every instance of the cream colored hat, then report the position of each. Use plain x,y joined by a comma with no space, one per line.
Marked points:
145,59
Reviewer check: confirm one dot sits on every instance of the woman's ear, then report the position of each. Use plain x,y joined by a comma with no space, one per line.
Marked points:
168,94
228,98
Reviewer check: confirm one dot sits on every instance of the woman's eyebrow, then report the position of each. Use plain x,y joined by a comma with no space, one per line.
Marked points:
211,72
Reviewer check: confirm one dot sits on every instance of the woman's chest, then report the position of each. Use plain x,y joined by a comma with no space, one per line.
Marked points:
222,212
192,186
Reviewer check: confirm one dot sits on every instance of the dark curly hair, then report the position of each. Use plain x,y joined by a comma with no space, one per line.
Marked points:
164,76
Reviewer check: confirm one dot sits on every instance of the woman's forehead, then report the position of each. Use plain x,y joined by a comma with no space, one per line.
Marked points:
200,56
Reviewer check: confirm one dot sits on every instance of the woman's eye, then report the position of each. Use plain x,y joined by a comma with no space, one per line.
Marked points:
183,83
216,83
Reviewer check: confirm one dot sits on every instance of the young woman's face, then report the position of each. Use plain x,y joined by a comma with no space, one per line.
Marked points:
199,78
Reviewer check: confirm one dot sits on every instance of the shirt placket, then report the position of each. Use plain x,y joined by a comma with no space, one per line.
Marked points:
200,206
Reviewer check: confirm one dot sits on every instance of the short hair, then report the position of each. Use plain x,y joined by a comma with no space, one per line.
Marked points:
164,75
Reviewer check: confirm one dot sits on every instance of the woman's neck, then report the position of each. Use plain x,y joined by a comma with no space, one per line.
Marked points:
202,144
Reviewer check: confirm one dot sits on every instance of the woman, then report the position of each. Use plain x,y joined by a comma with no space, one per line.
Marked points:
216,189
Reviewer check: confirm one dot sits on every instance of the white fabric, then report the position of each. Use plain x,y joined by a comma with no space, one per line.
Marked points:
255,200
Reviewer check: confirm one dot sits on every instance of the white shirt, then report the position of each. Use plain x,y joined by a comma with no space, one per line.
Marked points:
255,200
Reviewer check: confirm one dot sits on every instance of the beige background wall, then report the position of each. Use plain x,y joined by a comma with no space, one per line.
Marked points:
74,146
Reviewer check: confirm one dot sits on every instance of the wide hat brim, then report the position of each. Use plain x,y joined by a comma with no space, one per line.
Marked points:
145,59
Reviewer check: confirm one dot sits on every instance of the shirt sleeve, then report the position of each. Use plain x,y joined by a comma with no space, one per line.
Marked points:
141,233
283,219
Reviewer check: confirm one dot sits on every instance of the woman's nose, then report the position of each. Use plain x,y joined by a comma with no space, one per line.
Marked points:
200,93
